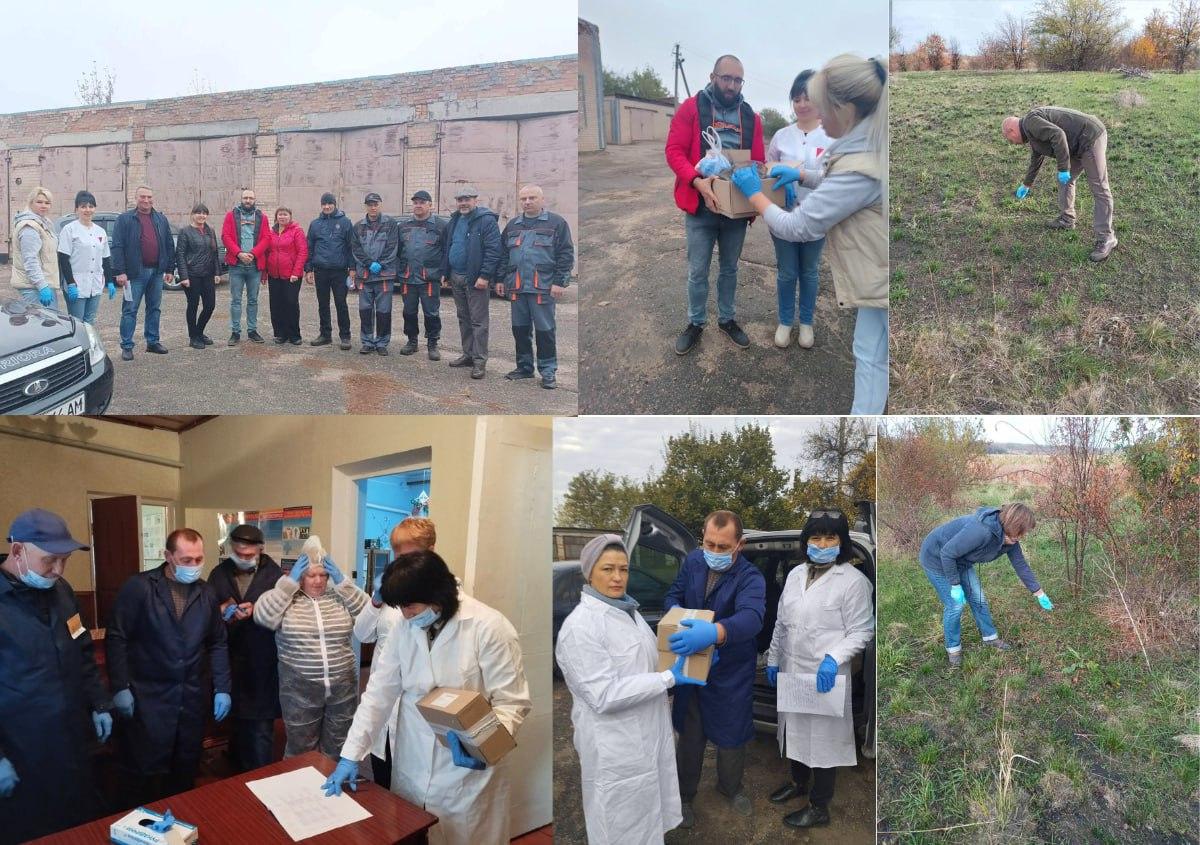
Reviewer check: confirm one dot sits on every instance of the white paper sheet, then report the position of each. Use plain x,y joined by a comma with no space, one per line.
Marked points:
798,694
300,806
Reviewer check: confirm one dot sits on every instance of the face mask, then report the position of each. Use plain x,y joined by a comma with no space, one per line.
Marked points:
187,574
716,562
425,618
245,564
38,582
820,556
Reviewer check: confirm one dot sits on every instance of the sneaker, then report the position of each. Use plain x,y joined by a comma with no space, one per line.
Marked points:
998,644
688,339
734,332
549,382
1103,249
382,350
344,343
126,354
783,336
255,336
1060,223
518,374
235,339
434,355
206,340
955,659
804,336
741,804
322,340
279,341
296,341
156,348
689,816
409,348
196,343
478,370
366,350
462,361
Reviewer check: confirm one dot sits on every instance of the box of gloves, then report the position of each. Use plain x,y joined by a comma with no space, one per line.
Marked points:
134,829
731,201
696,665
468,714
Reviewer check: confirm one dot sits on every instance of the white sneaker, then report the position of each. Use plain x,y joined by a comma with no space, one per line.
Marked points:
804,337
783,336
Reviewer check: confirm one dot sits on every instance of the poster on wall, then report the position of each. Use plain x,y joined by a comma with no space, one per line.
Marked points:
284,530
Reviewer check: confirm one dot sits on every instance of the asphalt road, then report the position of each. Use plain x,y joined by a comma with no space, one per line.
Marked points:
852,809
267,379
633,295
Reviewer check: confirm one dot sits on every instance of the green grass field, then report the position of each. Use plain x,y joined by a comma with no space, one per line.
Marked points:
991,311
1099,726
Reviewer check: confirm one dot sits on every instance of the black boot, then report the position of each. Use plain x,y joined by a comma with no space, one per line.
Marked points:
786,793
434,355
410,347
810,816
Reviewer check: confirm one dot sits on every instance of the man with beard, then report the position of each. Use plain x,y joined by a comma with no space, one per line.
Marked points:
246,238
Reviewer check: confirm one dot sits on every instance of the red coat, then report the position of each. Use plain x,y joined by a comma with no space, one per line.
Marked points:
286,252
229,237
683,151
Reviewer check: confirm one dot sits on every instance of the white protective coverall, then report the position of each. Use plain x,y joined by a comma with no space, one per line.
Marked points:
833,616
478,649
622,724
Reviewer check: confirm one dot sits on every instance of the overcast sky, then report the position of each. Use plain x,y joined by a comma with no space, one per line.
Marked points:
969,20
633,446
774,39
156,48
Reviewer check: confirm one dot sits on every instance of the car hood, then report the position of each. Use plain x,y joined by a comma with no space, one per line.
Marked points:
27,333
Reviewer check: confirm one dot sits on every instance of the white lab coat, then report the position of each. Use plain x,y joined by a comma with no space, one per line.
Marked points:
477,650
372,626
622,724
832,617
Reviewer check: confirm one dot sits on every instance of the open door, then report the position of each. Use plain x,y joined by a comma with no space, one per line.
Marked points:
116,549
657,544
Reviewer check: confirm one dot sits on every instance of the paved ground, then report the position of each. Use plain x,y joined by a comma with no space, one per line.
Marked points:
270,379
633,262
853,806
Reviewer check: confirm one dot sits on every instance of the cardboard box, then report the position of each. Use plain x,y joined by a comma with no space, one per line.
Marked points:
467,713
733,203
696,665
133,829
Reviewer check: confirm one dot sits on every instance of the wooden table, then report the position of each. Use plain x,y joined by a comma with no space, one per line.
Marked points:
228,812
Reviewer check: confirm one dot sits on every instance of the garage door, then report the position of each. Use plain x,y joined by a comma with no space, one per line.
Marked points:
6,210
484,154
372,160
100,169
309,164
226,167
548,157
211,170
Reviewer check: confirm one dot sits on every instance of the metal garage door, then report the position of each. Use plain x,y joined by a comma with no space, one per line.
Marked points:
483,153
99,169
548,157
226,167
372,160
212,170
309,164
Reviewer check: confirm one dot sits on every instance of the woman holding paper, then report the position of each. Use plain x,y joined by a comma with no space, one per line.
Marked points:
825,618
446,639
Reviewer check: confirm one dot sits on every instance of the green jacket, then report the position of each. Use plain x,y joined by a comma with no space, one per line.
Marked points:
1062,133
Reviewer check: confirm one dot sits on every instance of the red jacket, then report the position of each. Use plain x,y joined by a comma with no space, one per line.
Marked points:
286,251
683,151
229,237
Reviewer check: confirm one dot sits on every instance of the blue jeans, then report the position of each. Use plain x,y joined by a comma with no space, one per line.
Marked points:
84,308
870,361
30,295
797,262
952,610
247,277
704,231
148,284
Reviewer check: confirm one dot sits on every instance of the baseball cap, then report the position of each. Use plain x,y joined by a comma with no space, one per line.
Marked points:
422,195
372,197
48,531
247,534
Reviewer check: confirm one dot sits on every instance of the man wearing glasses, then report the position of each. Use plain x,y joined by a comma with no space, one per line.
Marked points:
720,106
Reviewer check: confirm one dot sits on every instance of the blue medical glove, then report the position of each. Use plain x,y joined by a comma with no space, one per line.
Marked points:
826,674
773,675
123,701
112,290
1044,601
46,296
298,568
335,574
956,593
165,823
789,195
747,180
230,612
1022,192
8,778
103,723
682,679
377,596
346,772
1064,176
221,704
784,175
376,267
460,755
72,292
698,636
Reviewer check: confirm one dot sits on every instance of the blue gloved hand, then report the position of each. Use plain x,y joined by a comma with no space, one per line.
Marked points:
112,290
956,593
8,778
376,267
103,723
298,568
123,702
460,755
789,195
1044,601
346,772
221,704
335,574
773,675
229,612
72,292
1064,176
747,180
682,679
1022,192
826,674
165,823
46,296
698,636
377,596
784,175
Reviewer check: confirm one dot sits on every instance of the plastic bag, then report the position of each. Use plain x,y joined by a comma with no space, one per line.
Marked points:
714,162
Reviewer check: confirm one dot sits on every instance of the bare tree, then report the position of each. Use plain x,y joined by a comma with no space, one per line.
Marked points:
199,83
1185,33
95,87
955,54
1077,34
894,39
1012,39
835,445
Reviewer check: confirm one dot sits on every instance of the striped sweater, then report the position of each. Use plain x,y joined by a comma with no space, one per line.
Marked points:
312,635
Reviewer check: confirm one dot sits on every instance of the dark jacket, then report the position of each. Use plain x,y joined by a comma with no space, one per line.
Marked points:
423,243
127,244
380,242
173,666
196,253
49,687
1062,134
484,250
959,544
739,602
537,253
252,654
329,242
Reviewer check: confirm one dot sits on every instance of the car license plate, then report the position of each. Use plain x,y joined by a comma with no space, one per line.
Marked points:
74,405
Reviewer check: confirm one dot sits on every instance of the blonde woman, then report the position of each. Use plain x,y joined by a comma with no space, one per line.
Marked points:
847,207
35,272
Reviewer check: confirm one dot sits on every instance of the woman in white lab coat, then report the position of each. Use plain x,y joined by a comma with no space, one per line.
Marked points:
607,654
446,639
825,618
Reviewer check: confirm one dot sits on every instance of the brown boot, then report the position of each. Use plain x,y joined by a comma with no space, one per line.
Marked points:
1103,248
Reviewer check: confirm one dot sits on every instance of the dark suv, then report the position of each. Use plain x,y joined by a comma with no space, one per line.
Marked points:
50,363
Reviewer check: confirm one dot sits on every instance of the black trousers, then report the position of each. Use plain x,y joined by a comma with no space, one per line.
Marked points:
425,296
822,782
201,290
381,770
285,308
689,758
332,281
253,742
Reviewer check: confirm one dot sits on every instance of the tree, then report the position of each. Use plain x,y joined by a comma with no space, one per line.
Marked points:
772,121
894,39
199,83
643,82
1012,39
1160,32
955,54
1141,52
933,51
1185,33
836,446
1077,34
598,499
95,87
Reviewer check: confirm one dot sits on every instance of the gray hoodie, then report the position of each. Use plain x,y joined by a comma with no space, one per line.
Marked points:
29,243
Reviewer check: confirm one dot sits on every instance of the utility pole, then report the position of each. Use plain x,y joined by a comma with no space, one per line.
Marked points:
678,73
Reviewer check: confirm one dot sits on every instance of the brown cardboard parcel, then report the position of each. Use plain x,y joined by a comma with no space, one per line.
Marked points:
731,200
468,714
697,665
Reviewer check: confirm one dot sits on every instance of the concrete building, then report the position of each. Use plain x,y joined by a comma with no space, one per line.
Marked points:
591,89
630,119
496,126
